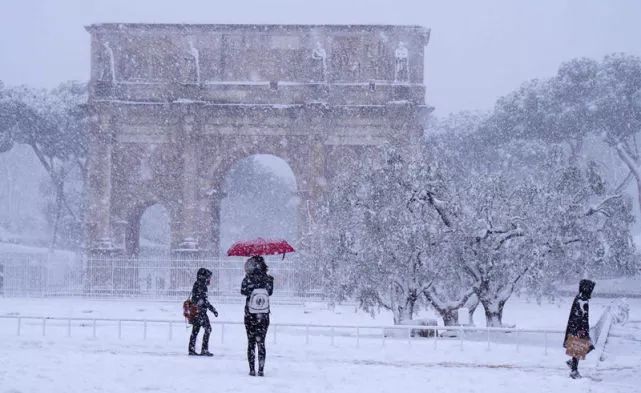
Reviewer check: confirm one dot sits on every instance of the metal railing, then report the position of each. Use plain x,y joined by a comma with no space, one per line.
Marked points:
356,334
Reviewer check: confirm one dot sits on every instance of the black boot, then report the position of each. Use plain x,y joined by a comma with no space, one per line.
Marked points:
206,352
252,371
261,367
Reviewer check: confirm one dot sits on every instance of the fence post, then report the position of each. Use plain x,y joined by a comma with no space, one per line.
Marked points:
171,333
306,334
435,338
144,329
222,333
518,340
333,332
545,338
19,325
461,336
113,278
44,326
358,337
488,338
94,328
119,329
409,336
383,336
69,327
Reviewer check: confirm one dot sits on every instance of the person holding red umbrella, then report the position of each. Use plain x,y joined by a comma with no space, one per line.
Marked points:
257,287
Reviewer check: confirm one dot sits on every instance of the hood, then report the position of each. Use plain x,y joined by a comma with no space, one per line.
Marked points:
585,289
255,265
203,274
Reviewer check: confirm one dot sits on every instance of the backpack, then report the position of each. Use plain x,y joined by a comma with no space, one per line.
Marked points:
258,301
190,310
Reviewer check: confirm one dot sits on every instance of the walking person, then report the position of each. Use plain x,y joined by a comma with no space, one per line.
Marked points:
257,287
577,334
199,298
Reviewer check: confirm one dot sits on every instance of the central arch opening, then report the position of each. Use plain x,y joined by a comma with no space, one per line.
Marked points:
155,234
260,201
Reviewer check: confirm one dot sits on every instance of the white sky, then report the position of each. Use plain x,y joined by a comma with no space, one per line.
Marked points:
479,49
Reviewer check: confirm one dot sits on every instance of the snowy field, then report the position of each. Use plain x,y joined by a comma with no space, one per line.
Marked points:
297,362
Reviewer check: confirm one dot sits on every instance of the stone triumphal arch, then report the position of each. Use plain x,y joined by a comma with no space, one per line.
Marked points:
175,106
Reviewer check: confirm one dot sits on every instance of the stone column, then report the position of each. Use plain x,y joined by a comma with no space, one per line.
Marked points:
316,184
189,241
215,204
99,185
304,218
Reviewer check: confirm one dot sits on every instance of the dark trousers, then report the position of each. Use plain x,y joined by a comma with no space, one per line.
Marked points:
256,327
200,321
574,364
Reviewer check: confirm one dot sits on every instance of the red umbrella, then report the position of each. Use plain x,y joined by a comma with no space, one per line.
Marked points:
259,246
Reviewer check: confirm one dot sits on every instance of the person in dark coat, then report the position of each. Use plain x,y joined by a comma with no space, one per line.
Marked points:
257,286
199,298
578,322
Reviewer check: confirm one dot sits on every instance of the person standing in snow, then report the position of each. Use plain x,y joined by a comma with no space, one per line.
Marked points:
199,298
257,287
578,324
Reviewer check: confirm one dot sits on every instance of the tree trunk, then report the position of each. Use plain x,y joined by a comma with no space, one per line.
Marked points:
56,222
493,312
450,317
447,310
402,314
633,166
403,306
472,304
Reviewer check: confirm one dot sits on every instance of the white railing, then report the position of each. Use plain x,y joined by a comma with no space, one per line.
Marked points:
616,312
42,326
37,275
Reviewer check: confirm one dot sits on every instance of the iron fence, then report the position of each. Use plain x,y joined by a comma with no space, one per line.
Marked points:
44,275
451,336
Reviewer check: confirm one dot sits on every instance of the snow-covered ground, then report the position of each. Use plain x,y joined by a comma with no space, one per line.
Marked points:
58,363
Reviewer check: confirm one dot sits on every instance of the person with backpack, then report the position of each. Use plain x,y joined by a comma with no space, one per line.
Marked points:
199,299
257,287
577,340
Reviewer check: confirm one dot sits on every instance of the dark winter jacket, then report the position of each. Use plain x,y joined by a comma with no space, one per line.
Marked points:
254,280
578,322
199,292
